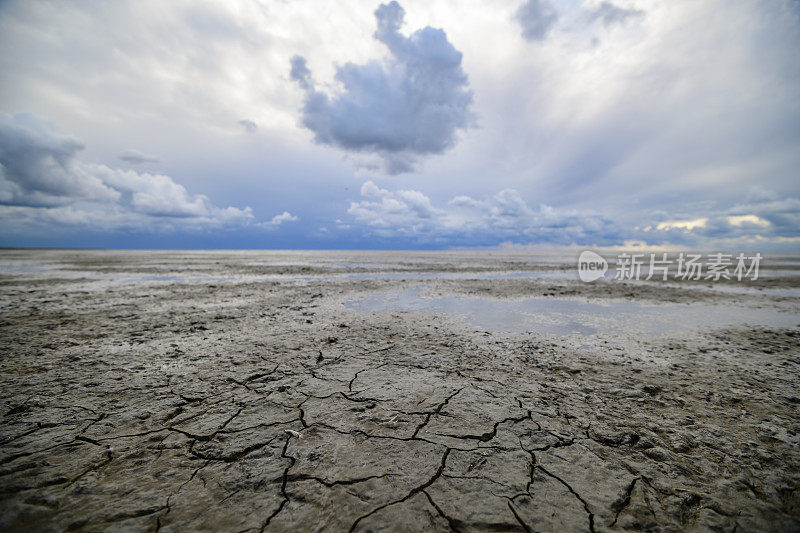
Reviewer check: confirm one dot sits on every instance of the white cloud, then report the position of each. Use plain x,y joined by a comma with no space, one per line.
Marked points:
403,211
741,220
504,215
277,220
682,224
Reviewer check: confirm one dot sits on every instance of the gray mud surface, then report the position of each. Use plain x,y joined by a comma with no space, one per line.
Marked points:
247,391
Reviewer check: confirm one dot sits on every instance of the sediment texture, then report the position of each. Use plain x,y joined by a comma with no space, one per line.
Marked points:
259,405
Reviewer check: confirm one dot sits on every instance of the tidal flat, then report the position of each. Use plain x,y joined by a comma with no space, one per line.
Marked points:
392,391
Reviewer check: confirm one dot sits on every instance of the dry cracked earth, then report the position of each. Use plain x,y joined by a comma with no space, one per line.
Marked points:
237,392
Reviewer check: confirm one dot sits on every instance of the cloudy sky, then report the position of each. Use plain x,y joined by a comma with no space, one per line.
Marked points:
419,124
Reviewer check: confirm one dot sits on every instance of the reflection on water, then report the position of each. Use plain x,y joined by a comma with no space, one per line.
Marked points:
575,317
96,270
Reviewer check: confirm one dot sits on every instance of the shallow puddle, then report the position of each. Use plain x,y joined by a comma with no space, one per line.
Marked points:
576,317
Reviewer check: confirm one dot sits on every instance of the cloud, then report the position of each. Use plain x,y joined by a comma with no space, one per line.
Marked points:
663,88
654,117
405,212
759,194
43,182
507,217
38,169
537,18
742,220
465,220
410,105
135,157
763,220
609,14
277,220
682,224
249,126
768,215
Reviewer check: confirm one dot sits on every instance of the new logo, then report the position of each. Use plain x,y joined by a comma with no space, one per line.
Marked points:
591,266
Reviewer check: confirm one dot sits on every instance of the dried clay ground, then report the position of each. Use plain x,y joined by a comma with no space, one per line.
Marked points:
244,391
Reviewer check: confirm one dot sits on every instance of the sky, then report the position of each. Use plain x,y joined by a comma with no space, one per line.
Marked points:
423,124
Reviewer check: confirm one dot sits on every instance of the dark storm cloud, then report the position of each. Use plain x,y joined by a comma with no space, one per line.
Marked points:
41,178
410,105
537,18
609,14
37,165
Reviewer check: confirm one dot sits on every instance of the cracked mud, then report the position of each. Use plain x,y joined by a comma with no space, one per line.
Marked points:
247,396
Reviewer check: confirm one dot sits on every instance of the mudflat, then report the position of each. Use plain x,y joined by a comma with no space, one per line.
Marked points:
365,391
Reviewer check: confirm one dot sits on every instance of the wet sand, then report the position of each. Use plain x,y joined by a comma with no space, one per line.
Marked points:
356,391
